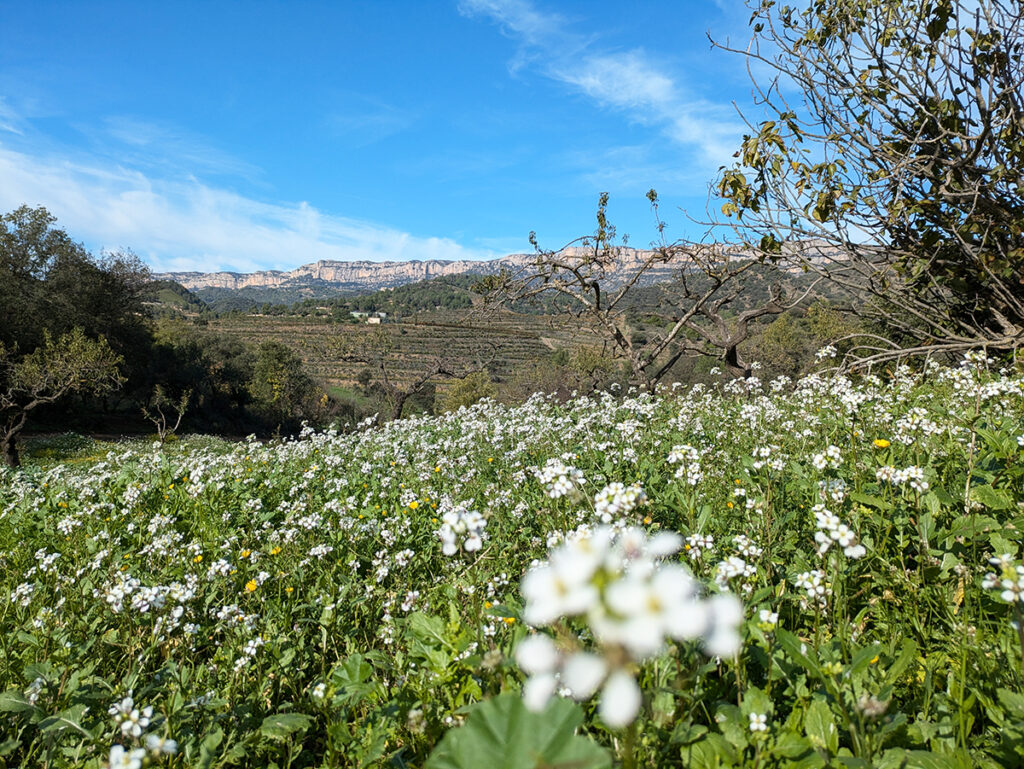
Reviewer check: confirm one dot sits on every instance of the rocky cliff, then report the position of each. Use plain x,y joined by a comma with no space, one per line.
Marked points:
370,276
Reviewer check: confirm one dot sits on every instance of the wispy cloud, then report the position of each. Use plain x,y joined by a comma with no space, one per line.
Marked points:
180,225
360,120
165,147
628,81
9,119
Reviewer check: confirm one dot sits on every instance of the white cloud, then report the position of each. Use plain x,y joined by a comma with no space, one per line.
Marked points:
626,81
188,225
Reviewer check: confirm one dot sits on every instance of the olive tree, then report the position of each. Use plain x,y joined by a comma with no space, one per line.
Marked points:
888,157
70,363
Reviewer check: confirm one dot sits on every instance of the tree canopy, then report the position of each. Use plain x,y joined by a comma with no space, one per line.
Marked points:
890,160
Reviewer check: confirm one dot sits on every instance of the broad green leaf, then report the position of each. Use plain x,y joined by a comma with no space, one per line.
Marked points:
353,679
870,501
712,752
502,734
820,726
13,701
428,629
281,725
993,499
208,747
66,719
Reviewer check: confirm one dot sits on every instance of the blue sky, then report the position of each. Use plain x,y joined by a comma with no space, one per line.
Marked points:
256,135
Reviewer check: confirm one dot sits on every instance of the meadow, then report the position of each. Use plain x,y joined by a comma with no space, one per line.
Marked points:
820,573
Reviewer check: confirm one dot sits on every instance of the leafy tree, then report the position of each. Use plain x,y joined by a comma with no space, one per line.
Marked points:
50,283
466,391
70,363
280,385
898,171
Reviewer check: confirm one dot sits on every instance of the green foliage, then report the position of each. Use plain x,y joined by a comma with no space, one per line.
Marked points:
279,385
71,363
503,734
289,603
466,391
899,176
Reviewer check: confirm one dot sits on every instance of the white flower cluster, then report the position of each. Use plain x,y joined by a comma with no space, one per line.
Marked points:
1009,581
735,567
747,548
131,719
465,525
126,759
834,489
632,602
698,544
559,478
830,458
770,457
616,500
120,758
914,476
814,585
831,529
688,459
826,352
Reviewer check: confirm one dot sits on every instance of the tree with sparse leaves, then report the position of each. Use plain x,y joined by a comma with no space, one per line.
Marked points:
70,363
596,275
891,162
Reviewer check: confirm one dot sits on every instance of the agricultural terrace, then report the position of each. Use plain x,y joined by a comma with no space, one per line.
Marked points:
810,574
516,340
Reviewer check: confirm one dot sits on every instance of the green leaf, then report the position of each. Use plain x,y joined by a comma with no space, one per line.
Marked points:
710,753
1012,701
9,746
993,499
353,680
66,719
870,501
208,747
502,734
733,725
13,701
820,726
428,629
282,725
908,653
798,751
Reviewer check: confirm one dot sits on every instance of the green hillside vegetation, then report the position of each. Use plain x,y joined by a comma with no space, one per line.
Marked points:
166,297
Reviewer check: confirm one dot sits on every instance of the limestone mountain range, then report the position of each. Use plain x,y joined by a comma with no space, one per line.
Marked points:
371,276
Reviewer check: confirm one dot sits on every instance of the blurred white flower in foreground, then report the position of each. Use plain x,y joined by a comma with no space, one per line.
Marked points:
633,603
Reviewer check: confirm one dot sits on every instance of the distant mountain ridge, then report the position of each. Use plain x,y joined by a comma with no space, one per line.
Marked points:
372,276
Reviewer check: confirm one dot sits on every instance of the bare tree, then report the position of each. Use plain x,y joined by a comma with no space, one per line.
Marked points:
377,352
597,277
891,162
160,401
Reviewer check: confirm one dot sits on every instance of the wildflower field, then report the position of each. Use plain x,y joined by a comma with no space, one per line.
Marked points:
764,574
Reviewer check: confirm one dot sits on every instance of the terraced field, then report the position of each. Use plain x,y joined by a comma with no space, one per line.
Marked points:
516,340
